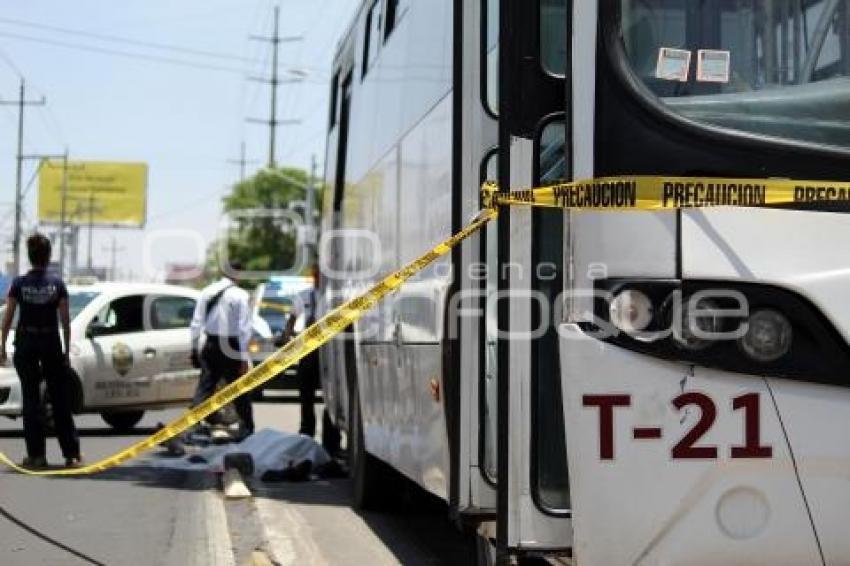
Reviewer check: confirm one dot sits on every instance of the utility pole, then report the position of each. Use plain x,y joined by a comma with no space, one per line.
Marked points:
91,229
88,209
242,162
63,213
310,236
274,81
113,250
20,103
42,159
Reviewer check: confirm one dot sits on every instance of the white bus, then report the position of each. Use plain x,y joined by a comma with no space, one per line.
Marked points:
540,379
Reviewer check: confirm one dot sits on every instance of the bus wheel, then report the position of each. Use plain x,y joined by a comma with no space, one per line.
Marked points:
123,421
330,434
367,471
485,550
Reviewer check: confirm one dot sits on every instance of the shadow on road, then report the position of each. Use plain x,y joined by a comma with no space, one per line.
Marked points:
416,529
164,478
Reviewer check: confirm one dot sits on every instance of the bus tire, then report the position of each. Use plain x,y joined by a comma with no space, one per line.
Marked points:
484,548
366,470
331,438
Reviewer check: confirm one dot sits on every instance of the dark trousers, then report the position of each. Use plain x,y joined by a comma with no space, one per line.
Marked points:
308,382
220,361
39,357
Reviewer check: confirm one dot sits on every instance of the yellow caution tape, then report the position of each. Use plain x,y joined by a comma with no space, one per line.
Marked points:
319,333
615,194
669,193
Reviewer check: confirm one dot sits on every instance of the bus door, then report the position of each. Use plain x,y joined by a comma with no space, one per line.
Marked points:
704,359
534,501
475,491
337,356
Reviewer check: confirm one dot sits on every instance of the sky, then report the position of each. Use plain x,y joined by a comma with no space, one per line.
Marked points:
115,93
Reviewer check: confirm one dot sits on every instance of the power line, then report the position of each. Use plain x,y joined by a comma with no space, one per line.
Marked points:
5,57
128,41
105,51
205,197
128,54
53,124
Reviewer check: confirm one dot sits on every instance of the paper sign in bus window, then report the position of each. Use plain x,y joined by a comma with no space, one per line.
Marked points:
713,66
673,64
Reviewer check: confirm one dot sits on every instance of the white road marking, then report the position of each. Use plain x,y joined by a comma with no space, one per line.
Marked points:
216,532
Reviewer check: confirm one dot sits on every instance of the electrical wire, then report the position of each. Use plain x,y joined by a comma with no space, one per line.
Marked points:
32,179
129,54
38,534
134,55
8,60
126,40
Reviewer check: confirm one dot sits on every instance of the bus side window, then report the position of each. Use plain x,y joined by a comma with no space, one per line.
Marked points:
552,160
553,36
372,38
490,55
334,100
395,11
550,481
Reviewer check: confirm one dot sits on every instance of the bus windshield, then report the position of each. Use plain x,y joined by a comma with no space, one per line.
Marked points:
770,67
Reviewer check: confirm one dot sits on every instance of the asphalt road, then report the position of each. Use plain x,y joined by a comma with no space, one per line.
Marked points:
143,515
129,515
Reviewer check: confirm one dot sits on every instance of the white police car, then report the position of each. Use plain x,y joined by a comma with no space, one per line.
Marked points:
130,351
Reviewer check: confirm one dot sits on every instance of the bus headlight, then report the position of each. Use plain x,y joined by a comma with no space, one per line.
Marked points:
768,338
743,327
698,324
631,311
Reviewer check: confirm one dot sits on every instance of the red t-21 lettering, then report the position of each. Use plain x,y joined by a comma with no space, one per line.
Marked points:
606,404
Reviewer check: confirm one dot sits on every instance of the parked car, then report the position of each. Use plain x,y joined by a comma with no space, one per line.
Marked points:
130,351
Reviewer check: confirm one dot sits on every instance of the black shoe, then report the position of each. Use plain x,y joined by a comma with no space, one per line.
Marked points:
34,463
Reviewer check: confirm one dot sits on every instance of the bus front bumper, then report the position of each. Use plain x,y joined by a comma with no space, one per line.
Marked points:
664,467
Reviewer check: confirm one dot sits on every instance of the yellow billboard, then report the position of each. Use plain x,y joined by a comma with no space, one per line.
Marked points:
103,193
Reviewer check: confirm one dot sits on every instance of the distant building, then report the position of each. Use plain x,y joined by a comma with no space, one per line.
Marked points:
85,274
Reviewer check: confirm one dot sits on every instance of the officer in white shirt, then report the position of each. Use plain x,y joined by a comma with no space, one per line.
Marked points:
224,315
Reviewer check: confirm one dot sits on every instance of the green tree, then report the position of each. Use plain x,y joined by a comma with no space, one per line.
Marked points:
264,242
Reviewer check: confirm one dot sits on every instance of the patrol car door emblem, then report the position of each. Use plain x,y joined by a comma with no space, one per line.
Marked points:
122,358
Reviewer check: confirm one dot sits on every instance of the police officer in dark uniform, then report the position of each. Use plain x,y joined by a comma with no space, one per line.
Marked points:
40,353
309,379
